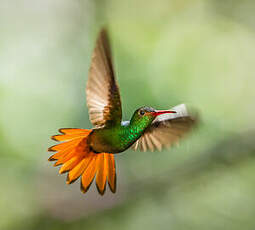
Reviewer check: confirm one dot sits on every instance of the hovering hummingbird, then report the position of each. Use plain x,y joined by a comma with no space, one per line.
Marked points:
89,153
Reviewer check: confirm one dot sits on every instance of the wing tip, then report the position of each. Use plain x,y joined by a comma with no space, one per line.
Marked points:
103,32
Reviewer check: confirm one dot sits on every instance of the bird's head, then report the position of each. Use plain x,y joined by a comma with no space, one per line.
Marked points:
145,115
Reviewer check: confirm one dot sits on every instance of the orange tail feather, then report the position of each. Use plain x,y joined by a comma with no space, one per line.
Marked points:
76,158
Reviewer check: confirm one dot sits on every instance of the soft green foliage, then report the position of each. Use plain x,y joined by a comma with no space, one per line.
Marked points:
166,52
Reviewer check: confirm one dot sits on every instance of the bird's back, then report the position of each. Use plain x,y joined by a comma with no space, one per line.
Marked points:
113,139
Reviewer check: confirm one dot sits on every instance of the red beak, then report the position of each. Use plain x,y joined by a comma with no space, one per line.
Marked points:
159,112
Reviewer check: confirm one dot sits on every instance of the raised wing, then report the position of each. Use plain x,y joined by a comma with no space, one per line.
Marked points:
165,130
103,97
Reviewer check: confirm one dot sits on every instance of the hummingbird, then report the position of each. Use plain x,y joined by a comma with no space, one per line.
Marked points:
89,153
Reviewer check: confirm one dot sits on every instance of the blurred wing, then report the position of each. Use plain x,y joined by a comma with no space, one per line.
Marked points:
165,130
103,97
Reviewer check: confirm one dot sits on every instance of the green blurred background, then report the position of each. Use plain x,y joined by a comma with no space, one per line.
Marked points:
199,52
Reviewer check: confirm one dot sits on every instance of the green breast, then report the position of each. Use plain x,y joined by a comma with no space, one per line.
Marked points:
115,139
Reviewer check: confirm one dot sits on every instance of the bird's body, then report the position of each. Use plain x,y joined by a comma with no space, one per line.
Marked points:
87,153
114,139
120,136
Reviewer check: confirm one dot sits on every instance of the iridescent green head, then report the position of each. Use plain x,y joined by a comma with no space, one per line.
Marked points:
144,116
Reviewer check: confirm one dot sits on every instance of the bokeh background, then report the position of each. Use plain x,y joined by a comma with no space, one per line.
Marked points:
201,52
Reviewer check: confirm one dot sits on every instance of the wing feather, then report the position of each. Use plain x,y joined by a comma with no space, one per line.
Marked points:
166,130
150,142
103,98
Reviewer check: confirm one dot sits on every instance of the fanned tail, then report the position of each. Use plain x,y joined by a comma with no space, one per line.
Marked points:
78,160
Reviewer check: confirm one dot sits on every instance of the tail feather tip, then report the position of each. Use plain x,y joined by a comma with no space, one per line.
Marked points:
73,161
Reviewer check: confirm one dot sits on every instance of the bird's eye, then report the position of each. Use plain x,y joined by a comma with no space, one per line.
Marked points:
141,112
